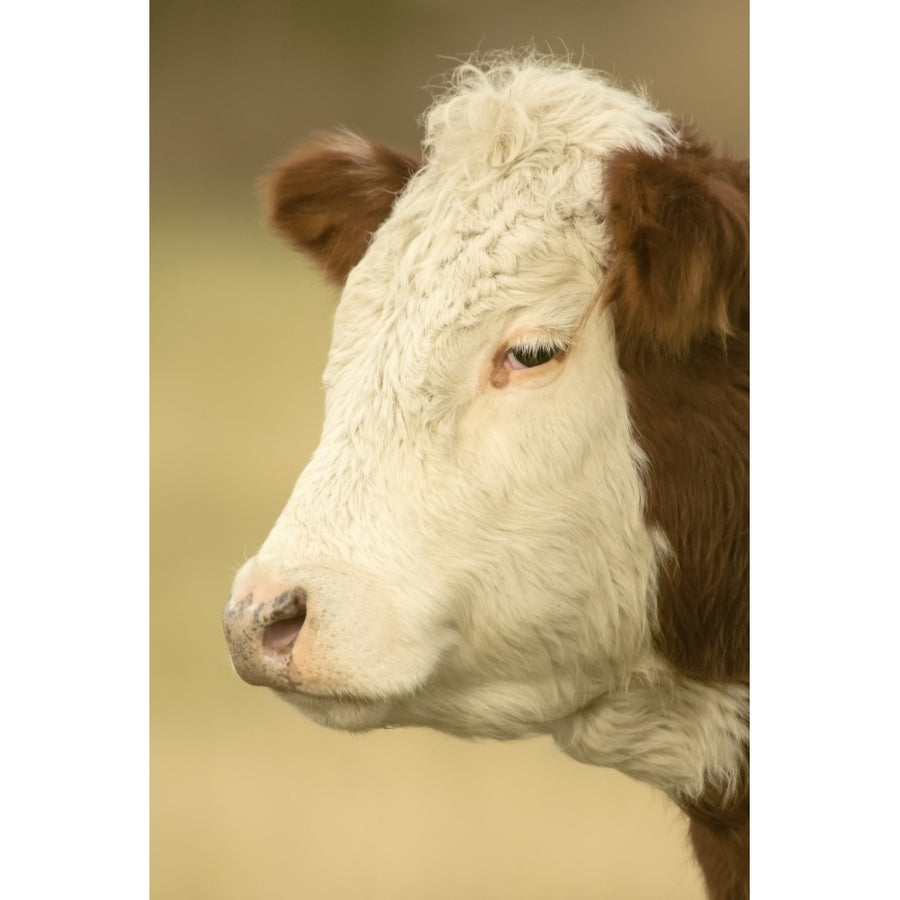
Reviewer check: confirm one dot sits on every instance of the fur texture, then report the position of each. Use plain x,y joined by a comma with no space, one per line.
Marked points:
681,227
498,549
330,196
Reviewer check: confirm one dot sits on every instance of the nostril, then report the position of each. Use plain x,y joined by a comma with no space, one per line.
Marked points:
286,617
280,636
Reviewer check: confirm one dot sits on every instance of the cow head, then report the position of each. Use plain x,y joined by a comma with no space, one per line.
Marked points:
473,546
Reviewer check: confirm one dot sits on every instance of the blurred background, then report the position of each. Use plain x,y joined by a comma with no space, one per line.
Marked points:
247,798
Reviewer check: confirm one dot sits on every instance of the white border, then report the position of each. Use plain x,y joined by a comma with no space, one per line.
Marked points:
825,450
75,449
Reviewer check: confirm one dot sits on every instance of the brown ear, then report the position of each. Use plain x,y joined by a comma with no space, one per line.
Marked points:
331,195
681,233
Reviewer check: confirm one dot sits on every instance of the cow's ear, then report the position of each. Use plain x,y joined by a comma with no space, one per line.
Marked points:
681,235
332,193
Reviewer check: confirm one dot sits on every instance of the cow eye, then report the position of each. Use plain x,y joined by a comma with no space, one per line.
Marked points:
529,357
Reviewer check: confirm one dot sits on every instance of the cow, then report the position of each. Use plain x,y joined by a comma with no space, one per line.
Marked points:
528,511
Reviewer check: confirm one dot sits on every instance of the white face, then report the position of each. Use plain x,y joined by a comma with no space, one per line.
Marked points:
469,533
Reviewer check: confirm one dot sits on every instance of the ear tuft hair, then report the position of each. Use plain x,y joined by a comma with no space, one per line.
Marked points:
331,194
681,233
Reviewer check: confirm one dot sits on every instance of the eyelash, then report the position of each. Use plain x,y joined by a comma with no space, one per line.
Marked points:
532,354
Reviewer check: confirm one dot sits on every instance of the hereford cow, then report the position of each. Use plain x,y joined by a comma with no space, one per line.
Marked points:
528,513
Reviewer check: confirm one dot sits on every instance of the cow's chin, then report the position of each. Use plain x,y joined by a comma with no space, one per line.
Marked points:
343,713
495,711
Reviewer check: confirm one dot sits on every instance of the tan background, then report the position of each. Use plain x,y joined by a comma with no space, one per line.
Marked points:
248,799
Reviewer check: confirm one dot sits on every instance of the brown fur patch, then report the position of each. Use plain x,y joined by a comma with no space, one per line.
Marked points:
691,417
721,844
681,227
330,196
679,290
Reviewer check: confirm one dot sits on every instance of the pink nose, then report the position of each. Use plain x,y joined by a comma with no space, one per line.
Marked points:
261,630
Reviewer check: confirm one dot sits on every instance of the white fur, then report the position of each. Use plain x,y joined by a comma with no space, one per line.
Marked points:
475,555
674,733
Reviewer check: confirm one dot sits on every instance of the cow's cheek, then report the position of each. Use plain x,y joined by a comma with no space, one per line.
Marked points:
558,459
